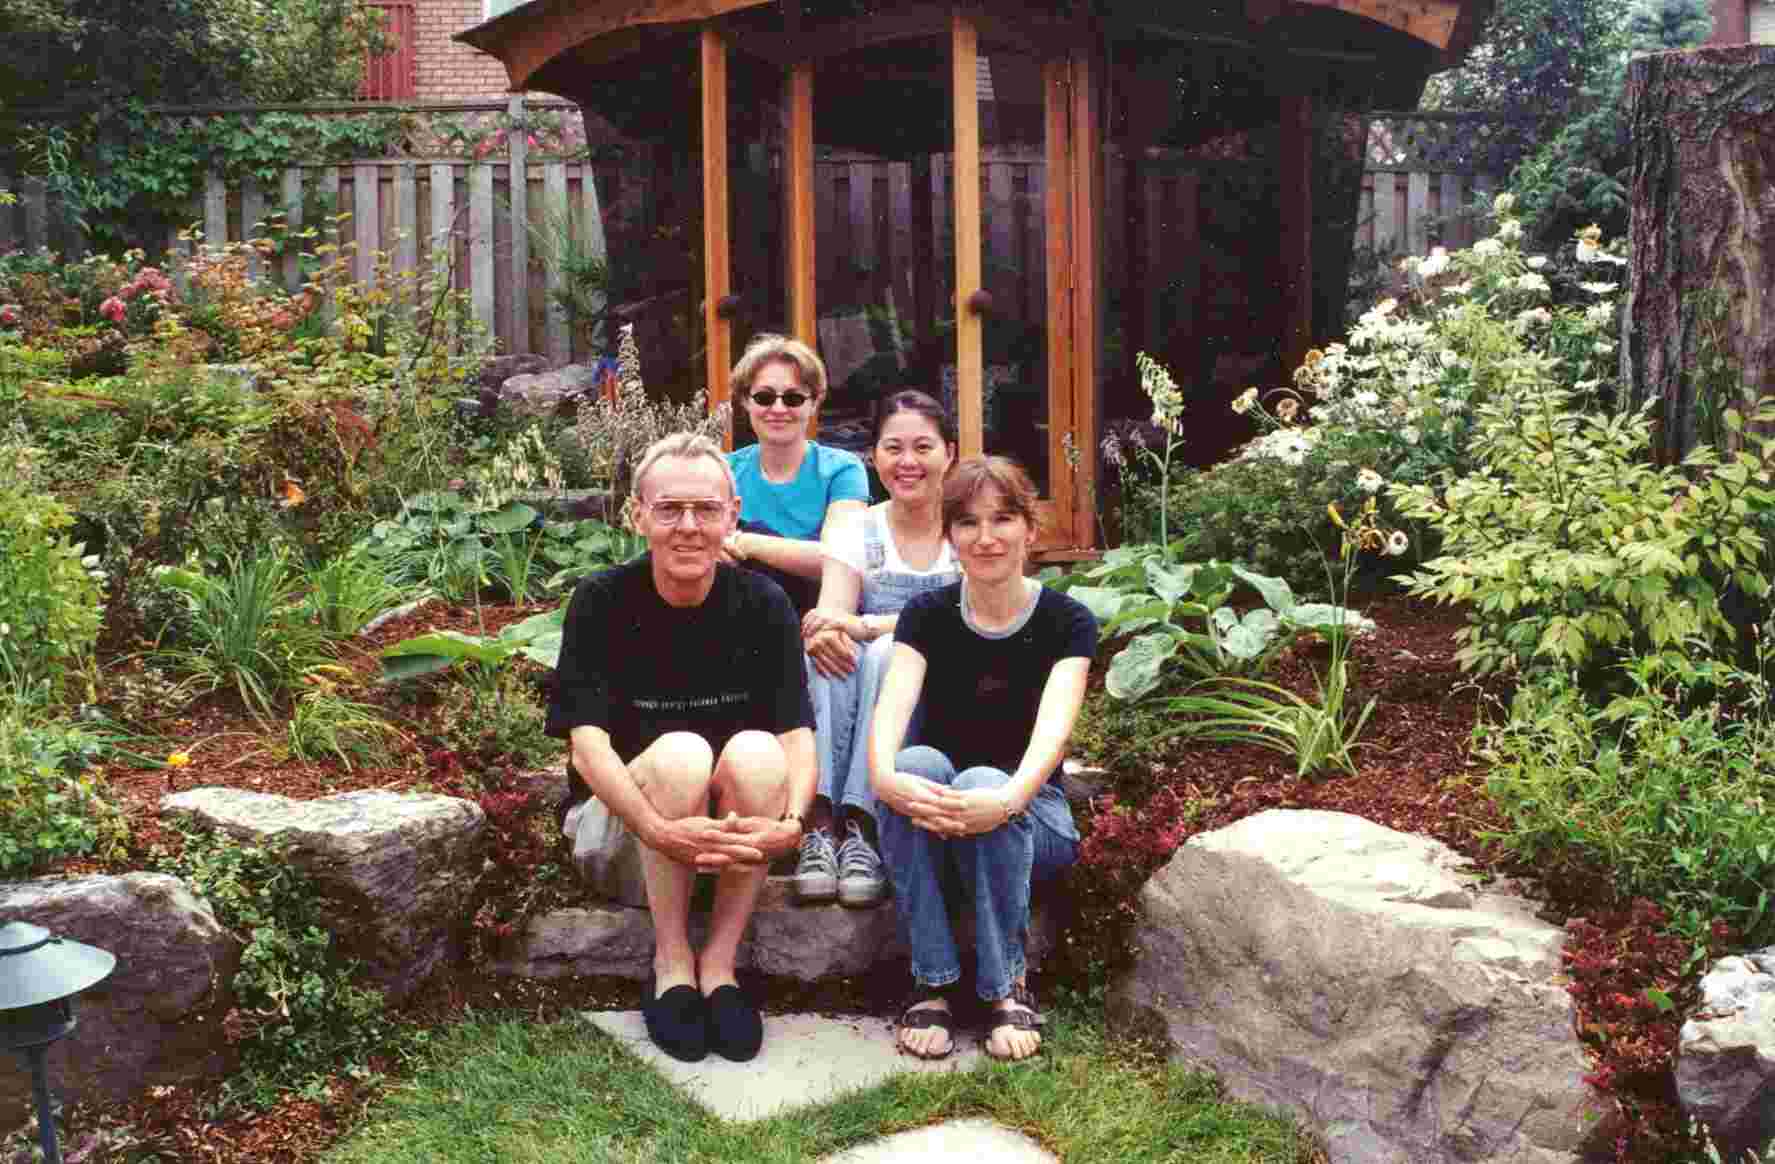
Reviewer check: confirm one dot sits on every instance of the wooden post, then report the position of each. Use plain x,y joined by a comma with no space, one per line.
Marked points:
293,246
1452,218
365,177
519,193
1087,294
215,211
440,244
406,220
558,338
799,242
252,213
970,377
480,245
1386,214
1295,273
717,327
1057,259
1417,213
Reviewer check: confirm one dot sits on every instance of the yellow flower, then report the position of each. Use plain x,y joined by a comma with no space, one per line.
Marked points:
1337,518
179,760
1314,357
1243,403
1286,408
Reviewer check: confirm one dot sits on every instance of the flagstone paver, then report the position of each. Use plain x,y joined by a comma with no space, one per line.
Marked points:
971,1139
806,1059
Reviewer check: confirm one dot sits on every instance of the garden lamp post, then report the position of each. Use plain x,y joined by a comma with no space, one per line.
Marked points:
39,976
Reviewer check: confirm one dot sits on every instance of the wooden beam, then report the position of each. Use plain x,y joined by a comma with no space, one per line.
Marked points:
970,351
1086,179
532,35
799,231
518,195
718,331
1057,235
899,22
1294,272
1431,21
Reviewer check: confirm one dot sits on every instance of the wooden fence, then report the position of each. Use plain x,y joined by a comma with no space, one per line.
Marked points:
864,208
415,210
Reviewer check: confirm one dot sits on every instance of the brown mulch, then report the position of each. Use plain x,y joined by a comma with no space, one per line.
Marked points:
1414,775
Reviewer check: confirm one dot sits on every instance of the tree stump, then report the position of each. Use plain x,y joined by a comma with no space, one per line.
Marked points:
1701,286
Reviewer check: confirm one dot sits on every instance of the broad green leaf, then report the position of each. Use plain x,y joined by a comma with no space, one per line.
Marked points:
1277,594
434,500
544,649
1251,636
1169,582
405,667
1103,602
1325,617
536,626
1135,671
510,518
451,645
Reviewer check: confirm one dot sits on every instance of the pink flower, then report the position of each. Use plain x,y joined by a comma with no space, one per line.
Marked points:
113,309
531,138
11,315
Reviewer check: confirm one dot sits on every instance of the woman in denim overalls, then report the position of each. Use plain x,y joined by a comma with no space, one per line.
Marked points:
874,567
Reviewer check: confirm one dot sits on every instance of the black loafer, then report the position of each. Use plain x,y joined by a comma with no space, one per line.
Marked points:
677,1022
736,1030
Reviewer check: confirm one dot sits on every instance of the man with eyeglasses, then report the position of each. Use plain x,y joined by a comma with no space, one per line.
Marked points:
682,692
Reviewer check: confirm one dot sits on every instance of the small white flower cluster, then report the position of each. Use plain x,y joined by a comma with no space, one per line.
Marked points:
1166,399
1288,445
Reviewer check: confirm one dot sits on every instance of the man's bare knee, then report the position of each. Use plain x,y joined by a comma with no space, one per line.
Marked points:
753,773
674,772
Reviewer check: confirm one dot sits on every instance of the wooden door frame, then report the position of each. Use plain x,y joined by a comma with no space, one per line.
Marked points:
1073,201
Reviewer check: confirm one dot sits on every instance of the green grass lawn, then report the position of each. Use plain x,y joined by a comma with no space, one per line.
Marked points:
517,1092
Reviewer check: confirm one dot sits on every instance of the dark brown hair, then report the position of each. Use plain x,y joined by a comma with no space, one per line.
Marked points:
919,403
974,474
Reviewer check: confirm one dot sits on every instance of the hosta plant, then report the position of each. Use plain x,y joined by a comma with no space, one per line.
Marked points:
1182,621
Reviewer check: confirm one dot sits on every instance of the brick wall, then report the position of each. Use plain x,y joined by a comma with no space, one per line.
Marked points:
447,69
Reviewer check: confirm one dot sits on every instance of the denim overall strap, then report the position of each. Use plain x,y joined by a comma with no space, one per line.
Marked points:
888,591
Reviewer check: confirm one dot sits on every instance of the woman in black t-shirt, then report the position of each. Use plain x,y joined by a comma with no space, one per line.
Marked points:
998,664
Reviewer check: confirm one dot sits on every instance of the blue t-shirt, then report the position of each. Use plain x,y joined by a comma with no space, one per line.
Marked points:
797,509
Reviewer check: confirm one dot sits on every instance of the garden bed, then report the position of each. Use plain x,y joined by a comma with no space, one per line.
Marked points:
1414,773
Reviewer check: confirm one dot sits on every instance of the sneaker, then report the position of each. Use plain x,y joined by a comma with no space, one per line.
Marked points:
860,882
816,874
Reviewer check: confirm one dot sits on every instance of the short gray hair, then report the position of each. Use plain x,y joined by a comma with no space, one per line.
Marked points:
769,348
684,446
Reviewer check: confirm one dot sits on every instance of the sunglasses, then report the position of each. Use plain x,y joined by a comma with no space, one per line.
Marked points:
765,397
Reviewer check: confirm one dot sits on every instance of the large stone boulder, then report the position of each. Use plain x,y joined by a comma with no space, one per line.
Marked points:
399,870
785,939
546,393
1725,1068
1355,975
157,1018
498,369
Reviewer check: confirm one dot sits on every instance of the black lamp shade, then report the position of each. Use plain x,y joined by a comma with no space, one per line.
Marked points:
36,967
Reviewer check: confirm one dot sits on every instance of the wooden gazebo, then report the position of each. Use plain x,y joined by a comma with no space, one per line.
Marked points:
1009,177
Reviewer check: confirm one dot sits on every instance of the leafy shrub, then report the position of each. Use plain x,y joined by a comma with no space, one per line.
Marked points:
299,1017
52,804
325,724
499,727
347,591
1667,788
245,629
49,601
1572,549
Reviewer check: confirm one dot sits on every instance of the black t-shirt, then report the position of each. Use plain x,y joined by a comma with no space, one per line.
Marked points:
981,693
639,668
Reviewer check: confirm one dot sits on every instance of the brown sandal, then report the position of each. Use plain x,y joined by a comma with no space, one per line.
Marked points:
916,1016
1021,1016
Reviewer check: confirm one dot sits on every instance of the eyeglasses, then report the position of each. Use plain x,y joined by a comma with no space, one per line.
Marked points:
706,511
764,398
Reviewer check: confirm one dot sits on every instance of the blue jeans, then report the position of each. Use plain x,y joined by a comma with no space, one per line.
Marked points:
994,870
842,711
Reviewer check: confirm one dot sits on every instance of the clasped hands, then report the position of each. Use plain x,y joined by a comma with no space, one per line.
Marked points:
950,812
715,843
830,639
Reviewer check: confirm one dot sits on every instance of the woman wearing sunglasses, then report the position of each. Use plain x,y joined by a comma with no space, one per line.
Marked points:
874,567
791,488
